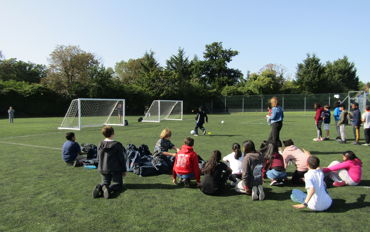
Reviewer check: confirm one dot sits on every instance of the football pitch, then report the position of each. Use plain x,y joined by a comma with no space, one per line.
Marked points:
40,193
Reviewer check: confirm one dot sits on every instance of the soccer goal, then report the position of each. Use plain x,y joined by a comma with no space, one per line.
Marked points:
359,97
94,112
164,110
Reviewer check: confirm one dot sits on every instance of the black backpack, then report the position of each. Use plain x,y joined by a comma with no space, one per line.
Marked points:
133,157
91,150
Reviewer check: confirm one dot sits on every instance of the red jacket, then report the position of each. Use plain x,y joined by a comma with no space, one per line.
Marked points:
186,162
318,114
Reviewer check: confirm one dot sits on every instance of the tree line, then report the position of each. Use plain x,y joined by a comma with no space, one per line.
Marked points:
72,72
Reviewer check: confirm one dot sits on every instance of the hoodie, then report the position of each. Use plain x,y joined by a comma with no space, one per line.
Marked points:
354,168
252,170
111,156
318,114
186,162
296,155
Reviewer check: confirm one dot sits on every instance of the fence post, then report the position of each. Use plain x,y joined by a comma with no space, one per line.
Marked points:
243,104
304,107
283,102
329,99
261,103
225,104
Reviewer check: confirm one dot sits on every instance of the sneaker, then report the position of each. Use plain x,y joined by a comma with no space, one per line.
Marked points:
187,183
204,132
106,192
97,192
317,139
195,134
339,184
326,139
365,144
254,193
261,193
273,183
342,142
355,143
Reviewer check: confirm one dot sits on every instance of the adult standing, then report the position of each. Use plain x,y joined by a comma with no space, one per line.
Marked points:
276,119
11,114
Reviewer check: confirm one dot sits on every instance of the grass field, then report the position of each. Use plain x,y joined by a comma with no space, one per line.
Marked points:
40,193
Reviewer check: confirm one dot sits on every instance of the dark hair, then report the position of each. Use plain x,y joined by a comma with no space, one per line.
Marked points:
248,146
189,141
107,131
355,104
236,149
313,162
263,147
288,143
349,155
316,105
341,105
272,148
368,107
70,135
211,164
336,104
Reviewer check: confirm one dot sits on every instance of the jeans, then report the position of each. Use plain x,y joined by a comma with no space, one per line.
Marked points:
276,175
186,176
356,133
275,133
116,177
298,196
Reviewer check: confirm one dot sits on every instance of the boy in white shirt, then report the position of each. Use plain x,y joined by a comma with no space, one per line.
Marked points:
366,121
317,198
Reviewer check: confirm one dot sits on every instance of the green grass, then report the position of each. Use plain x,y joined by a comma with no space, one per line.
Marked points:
40,193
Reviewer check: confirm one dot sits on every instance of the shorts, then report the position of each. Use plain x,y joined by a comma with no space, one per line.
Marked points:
326,126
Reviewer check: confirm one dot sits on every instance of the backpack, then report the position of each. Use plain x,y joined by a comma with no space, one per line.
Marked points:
161,165
133,157
91,150
146,169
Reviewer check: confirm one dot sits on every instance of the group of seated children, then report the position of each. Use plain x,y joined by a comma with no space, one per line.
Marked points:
342,118
246,170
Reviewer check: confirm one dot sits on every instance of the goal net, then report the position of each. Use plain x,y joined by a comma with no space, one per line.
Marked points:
164,110
359,97
94,112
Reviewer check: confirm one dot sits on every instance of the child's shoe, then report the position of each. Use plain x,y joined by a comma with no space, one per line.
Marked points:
195,134
254,193
106,192
339,183
97,192
365,144
204,132
261,193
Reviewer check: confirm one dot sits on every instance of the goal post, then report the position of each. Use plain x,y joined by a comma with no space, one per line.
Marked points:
164,110
359,97
94,112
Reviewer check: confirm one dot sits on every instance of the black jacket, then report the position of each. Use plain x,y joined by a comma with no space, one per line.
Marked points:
215,183
201,117
111,155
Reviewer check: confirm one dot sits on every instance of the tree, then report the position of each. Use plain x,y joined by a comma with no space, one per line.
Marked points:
264,83
129,71
216,72
69,68
179,65
342,75
1,55
310,75
13,69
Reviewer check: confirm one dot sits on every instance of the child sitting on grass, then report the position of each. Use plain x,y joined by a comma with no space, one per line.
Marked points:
216,174
298,157
274,165
112,164
252,181
71,151
347,172
317,198
162,147
234,161
186,165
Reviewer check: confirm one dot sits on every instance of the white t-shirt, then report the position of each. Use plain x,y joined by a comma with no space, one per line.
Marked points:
234,164
366,119
320,200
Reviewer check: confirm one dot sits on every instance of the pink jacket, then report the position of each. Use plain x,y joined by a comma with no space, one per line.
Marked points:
296,155
354,168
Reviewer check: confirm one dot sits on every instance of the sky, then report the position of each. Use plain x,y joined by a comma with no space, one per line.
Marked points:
264,31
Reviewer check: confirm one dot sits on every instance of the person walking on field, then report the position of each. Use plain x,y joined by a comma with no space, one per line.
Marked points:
276,119
11,114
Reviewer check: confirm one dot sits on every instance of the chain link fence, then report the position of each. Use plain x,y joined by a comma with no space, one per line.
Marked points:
289,102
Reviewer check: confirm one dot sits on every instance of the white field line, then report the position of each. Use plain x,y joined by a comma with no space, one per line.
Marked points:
30,135
30,145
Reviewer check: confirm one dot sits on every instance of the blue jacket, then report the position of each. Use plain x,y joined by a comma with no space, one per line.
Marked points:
70,151
356,117
336,114
277,114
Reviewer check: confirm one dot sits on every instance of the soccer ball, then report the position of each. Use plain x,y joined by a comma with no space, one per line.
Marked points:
222,122
192,132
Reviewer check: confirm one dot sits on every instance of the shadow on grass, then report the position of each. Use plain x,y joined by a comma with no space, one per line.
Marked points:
340,205
151,186
326,152
364,183
271,195
223,135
